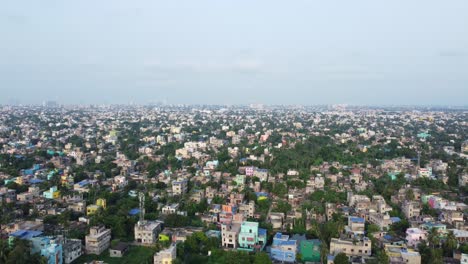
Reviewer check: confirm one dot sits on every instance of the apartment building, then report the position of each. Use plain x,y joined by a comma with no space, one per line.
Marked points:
411,209
146,232
98,240
179,187
350,247
229,235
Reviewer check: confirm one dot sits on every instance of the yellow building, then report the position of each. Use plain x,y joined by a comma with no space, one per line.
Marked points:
101,202
94,208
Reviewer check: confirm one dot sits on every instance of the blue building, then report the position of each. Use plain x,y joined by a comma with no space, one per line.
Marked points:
45,246
48,248
283,249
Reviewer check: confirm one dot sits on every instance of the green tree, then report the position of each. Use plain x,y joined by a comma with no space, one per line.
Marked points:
262,258
450,243
433,238
341,258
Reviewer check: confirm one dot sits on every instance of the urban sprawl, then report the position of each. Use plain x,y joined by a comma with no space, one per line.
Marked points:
253,184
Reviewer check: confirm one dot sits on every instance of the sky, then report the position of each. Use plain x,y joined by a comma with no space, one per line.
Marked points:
360,52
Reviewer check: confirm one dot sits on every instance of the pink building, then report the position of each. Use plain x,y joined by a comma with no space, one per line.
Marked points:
414,236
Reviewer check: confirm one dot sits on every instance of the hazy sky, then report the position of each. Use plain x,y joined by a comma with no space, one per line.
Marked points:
235,52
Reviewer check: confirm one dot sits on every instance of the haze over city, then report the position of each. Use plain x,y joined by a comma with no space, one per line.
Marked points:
235,52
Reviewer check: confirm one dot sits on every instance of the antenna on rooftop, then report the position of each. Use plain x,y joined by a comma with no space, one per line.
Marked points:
142,207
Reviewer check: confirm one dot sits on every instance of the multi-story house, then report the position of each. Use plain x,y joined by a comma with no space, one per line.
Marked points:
411,209
98,240
229,234
251,237
48,248
7,195
179,187
248,209
414,236
146,232
358,247
383,221
170,209
356,225
399,254
72,249
283,249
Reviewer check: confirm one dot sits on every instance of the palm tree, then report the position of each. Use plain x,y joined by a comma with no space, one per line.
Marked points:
451,241
433,237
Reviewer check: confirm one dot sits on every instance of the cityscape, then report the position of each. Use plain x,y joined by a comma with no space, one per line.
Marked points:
237,184
234,132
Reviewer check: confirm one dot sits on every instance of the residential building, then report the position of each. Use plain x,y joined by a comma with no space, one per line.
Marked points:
98,240
118,250
166,256
283,249
251,237
72,249
179,187
356,225
414,236
146,232
358,247
48,248
229,233
170,209
399,254
52,193
247,209
411,209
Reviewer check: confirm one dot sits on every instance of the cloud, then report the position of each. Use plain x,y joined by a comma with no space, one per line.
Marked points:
452,53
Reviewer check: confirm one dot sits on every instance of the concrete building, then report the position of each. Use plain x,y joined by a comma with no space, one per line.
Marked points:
72,249
283,249
7,195
251,237
356,225
401,255
170,209
411,209
166,256
383,221
118,250
414,236
98,240
229,233
179,187
48,248
52,193
350,247
247,209
146,232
